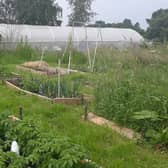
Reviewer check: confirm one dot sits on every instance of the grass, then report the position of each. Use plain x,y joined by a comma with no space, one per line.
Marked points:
106,147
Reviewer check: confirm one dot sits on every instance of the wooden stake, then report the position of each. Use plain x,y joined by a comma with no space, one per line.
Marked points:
85,112
21,113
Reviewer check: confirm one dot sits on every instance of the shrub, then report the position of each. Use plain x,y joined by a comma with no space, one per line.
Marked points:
38,150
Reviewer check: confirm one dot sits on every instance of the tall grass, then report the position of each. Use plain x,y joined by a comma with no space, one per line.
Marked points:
134,93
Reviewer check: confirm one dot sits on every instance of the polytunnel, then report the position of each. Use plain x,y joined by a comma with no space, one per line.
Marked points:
53,36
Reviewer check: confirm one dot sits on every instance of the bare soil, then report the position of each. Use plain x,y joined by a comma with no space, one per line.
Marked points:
126,132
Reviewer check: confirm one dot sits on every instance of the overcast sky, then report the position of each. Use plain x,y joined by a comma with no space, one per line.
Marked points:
117,10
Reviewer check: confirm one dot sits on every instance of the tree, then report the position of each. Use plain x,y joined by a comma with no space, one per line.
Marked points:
81,12
7,11
158,26
127,23
42,12
35,12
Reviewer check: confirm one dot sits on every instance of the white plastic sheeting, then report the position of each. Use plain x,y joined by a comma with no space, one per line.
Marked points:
58,36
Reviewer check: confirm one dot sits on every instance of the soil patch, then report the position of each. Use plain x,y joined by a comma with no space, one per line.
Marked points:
42,68
126,132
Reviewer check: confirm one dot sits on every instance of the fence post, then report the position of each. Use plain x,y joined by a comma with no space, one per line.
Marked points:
21,113
85,111
82,99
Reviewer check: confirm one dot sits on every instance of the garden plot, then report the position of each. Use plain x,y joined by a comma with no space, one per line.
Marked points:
65,92
42,68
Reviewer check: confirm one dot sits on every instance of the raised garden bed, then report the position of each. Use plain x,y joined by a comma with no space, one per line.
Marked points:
42,68
67,91
68,101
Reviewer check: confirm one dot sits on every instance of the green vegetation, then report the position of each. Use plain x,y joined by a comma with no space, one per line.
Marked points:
157,29
49,87
130,88
37,149
81,12
19,12
105,147
134,94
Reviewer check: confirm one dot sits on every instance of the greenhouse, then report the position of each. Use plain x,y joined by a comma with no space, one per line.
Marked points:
53,37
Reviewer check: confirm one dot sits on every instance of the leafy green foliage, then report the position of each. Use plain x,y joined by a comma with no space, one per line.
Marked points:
81,12
49,87
135,101
127,23
38,150
158,25
30,12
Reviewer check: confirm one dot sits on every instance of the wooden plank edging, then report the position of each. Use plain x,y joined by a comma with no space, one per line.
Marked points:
69,101
27,92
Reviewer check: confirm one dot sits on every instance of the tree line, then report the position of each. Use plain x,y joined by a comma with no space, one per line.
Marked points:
48,12
34,12
127,23
157,26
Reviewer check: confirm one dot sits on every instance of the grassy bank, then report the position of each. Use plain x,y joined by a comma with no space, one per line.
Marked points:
105,147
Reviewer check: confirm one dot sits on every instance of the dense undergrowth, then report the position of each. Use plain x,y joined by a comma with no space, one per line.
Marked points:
37,149
134,93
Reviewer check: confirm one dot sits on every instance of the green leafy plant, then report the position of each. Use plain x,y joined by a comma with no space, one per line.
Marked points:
38,150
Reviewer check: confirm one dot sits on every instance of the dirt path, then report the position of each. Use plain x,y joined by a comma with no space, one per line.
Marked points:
126,132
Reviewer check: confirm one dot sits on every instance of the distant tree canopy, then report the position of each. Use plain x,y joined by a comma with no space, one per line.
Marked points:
158,26
7,11
127,23
81,12
35,12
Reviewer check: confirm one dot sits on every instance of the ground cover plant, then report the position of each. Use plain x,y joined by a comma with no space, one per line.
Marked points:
37,149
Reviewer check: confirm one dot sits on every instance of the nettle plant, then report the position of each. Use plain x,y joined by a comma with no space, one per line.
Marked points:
38,150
